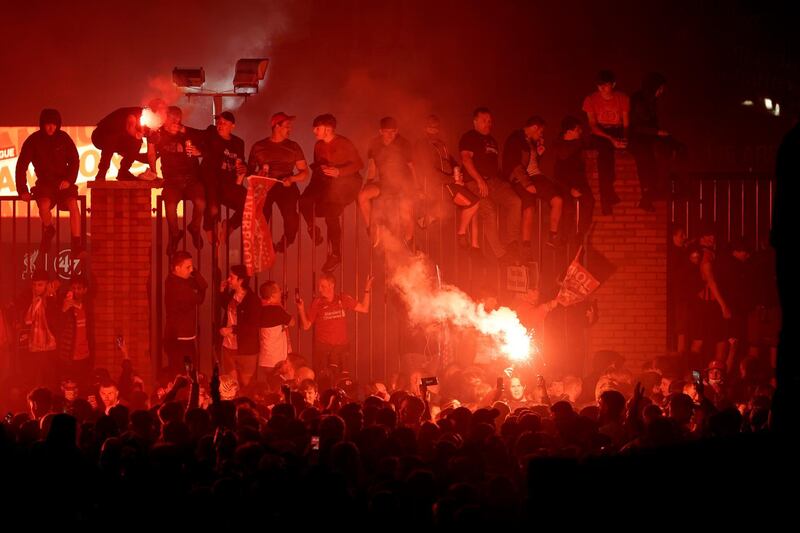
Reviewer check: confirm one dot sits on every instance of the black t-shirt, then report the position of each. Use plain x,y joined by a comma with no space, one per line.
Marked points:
171,148
485,153
432,158
569,169
392,160
220,155
117,121
281,157
274,315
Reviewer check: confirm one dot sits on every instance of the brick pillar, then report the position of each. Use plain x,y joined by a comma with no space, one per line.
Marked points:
633,302
121,250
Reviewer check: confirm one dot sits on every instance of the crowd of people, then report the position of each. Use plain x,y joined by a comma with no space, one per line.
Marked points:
405,180
432,444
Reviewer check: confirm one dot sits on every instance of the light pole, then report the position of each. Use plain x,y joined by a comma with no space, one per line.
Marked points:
248,74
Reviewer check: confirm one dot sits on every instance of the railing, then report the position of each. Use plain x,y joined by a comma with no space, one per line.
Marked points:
380,339
20,237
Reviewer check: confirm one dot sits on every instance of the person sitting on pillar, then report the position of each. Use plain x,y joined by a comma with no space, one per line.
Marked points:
240,335
608,113
55,161
178,149
121,132
223,170
277,157
391,176
184,291
335,183
522,166
331,347
569,172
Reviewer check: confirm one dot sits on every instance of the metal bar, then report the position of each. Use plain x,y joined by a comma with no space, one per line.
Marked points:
758,235
356,235
58,240
159,284
185,233
729,211
298,286
539,232
742,211
227,241
371,323
771,199
702,203
714,201
14,248
385,320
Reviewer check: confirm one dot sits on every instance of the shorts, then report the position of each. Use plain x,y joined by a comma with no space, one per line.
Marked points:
177,189
58,197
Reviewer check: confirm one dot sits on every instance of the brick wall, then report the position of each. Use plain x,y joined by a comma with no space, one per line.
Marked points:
632,303
121,237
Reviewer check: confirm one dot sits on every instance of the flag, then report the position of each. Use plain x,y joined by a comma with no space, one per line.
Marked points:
578,283
258,252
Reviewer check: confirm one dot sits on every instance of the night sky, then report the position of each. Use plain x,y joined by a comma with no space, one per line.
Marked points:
362,60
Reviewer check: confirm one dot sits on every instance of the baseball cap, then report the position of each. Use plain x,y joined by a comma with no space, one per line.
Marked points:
388,123
227,115
279,117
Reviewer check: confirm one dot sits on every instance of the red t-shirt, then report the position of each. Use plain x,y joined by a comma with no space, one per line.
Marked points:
81,347
608,112
330,324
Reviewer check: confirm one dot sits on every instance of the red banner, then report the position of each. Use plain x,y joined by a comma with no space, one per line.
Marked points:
578,284
258,252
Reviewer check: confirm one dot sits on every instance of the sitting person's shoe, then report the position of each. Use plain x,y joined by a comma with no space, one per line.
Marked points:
172,244
125,175
331,263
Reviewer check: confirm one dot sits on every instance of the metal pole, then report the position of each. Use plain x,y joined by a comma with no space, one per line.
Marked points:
159,285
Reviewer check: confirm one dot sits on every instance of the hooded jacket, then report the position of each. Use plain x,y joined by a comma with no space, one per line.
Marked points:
54,157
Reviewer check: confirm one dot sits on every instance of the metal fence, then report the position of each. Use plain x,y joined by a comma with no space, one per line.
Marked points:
380,339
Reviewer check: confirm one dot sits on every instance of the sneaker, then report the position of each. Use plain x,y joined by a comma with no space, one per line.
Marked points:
125,175
331,263
48,233
147,175
197,237
172,245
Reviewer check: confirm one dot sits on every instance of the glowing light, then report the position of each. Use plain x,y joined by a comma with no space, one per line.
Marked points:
428,304
150,120
747,103
777,110
768,103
